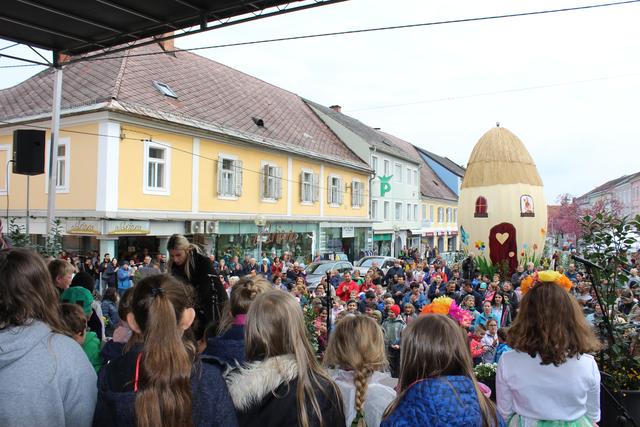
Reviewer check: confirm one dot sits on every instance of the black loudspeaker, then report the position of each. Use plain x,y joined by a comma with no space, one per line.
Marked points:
28,151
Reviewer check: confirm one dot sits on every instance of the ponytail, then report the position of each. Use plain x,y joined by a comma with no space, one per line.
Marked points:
164,387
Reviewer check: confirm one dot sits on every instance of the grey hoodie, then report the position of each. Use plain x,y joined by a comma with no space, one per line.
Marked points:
45,379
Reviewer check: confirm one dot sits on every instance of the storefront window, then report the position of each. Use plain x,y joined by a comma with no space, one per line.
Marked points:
275,244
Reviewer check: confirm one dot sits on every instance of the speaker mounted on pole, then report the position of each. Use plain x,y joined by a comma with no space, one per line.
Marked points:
28,151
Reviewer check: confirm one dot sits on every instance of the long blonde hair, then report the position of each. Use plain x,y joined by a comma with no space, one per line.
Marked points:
179,242
357,344
275,327
433,345
243,293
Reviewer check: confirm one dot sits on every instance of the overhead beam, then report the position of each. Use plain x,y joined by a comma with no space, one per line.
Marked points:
71,16
132,12
41,28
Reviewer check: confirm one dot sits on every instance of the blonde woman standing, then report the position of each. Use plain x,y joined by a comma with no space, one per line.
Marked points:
356,351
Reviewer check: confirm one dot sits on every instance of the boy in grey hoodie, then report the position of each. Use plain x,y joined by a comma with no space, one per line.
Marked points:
45,377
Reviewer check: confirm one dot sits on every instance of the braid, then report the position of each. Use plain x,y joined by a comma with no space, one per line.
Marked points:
360,379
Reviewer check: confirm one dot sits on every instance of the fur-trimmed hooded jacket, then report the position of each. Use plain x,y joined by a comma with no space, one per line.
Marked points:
264,395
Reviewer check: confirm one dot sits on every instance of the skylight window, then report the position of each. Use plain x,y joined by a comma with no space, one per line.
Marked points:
165,89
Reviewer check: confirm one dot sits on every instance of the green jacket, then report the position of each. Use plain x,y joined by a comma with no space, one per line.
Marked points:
91,348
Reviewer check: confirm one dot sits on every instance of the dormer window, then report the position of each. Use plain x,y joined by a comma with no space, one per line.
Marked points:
481,208
165,89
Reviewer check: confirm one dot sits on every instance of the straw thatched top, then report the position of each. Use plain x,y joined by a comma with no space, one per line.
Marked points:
500,157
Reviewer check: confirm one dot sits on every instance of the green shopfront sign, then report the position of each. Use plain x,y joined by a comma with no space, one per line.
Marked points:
381,237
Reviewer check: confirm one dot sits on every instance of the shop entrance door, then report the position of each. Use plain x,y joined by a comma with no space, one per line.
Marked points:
348,247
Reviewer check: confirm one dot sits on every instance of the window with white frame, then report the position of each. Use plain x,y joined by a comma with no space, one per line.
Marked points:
415,177
306,186
431,215
455,215
387,167
386,211
424,212
271,182
157,158
335,191
440,214
415,212
409,177
229,176
374,209
409,212
398,216
357,194
374,164
398,173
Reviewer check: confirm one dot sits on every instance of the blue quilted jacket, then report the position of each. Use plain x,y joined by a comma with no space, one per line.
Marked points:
448,401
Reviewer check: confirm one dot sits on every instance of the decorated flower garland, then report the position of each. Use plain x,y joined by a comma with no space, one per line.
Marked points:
547,276
447,306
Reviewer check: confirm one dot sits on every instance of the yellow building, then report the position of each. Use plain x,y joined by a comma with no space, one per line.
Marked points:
176,143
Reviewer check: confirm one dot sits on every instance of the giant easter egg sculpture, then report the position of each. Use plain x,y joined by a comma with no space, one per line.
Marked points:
503,212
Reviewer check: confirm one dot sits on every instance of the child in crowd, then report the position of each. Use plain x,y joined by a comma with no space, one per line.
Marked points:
490,341
356,349
76,320
96,322
282,384
122,334
61,272
487,313
110,310
475,344
502,344
550,377
45,377
160,380
228,346
393,327
436,385
501,310
352,307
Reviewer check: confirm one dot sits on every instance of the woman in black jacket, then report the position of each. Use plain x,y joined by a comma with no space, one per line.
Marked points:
191,266
282,384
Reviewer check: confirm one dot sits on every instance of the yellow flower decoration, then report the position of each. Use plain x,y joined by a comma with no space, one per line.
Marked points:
547,276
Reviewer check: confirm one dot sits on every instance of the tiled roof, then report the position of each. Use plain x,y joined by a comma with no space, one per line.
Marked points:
430,184
609,185
207,92
367,133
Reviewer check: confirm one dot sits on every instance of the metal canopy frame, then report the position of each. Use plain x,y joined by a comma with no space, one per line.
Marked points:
81,30
86,29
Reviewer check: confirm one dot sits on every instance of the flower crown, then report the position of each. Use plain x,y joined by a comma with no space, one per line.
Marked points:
447,306
547,276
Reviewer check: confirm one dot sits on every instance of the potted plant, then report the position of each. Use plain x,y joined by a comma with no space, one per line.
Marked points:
486,374
607,241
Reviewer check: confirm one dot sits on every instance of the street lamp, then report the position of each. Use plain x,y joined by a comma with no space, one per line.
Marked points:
260,222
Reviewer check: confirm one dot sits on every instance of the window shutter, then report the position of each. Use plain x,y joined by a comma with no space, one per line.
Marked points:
264,191
329,199
340,191
361,194
220,160
238,177
278,194
302,188
316,187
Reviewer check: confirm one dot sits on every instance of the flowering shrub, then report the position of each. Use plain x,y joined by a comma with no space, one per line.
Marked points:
485,370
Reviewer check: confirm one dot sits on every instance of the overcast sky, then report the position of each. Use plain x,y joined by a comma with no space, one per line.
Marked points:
441,87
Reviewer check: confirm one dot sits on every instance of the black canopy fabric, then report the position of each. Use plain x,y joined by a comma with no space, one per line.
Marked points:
76,27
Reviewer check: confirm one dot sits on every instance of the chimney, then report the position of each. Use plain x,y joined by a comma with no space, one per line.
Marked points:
166,45
336,108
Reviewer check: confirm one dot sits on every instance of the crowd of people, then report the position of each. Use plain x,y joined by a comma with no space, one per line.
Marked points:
190,340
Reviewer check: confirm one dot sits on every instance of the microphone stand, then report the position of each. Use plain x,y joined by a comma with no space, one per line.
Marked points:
329,302
626,417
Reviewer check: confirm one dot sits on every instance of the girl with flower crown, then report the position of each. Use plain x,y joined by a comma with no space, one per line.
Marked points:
550,379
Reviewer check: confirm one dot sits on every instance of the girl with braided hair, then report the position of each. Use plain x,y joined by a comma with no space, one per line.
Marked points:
356,350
